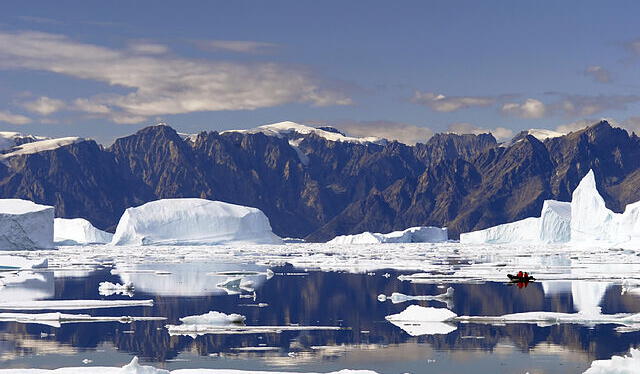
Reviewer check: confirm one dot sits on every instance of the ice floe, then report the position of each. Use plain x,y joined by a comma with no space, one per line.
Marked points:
213,318
108,289
71,304
9,262
25,225
57,319
134,367
76,231
397,297
617,364
193,222
421,234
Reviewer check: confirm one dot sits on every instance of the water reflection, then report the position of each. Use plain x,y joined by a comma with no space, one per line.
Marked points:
319,299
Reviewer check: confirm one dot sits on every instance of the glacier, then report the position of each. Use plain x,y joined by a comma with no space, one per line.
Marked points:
585,220
192,221
419,234
77,231
25,225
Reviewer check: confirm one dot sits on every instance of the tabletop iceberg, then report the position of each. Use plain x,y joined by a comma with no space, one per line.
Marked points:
78,231
420,234
193,222
25,225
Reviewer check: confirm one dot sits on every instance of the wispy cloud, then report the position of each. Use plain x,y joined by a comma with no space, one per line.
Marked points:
442,103
237,46
530,108
14,119
598,73
575,125
161,85
633,46
44,105
402,132
148,48
500,133
586,106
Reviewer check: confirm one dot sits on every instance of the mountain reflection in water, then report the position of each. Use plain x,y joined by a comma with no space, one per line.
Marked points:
315,298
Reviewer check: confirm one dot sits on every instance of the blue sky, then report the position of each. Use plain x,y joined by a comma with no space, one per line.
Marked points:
398,69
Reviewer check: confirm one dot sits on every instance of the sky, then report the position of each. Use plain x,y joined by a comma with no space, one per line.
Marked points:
402,70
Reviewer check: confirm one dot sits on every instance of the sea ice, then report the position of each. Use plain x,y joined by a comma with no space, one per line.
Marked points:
108,289
57,319
213,318
25,225
9,262
617,364
397,297
135,368
193,222
71,304
76,231
420,234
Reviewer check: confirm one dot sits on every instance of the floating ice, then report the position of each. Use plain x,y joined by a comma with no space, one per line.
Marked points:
193,222
71,304
56,319
78,231
25,225
213,318
421,234
196,330
8,262
617,364
135,368
108,289
26,286
397,297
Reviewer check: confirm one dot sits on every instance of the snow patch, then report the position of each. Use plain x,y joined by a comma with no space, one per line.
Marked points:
193,222
41,146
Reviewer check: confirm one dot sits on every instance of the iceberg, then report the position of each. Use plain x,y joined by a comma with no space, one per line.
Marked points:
108,289
192,221
25,225
591,218
77,231
213,318
419,234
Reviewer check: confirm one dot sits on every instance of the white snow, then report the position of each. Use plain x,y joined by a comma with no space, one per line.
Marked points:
76,231
41,146
281,129
71,304
542,134
617,364
420,234
25,225
9,139
193,222
135,368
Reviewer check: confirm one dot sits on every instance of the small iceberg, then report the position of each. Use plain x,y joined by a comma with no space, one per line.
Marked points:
420,234
108,289
617,364
213,318
397,297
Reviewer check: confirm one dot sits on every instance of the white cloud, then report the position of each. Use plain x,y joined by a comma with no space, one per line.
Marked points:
161,85
87,106
598,73
402,132
530,108
442,103
575,126
500,133
44,105
14,119
586,106
238,46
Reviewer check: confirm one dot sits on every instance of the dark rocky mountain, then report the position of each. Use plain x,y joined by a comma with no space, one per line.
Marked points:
316,188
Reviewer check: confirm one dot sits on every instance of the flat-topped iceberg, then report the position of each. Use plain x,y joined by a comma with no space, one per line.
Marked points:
76,231
25,225
193,221
420,234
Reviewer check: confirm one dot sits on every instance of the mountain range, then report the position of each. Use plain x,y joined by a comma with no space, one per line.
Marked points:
316,183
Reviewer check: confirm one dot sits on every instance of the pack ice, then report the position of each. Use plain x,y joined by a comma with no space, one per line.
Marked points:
76,231
25,225
420,234
584,220
191,221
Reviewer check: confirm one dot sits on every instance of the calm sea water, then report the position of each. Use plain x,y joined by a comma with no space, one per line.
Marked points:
315,298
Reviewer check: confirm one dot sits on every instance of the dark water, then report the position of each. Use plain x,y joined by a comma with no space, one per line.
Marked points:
317,298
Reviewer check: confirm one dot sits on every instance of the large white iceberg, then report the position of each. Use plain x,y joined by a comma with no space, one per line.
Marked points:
420,234
193,222
25,225
76,231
